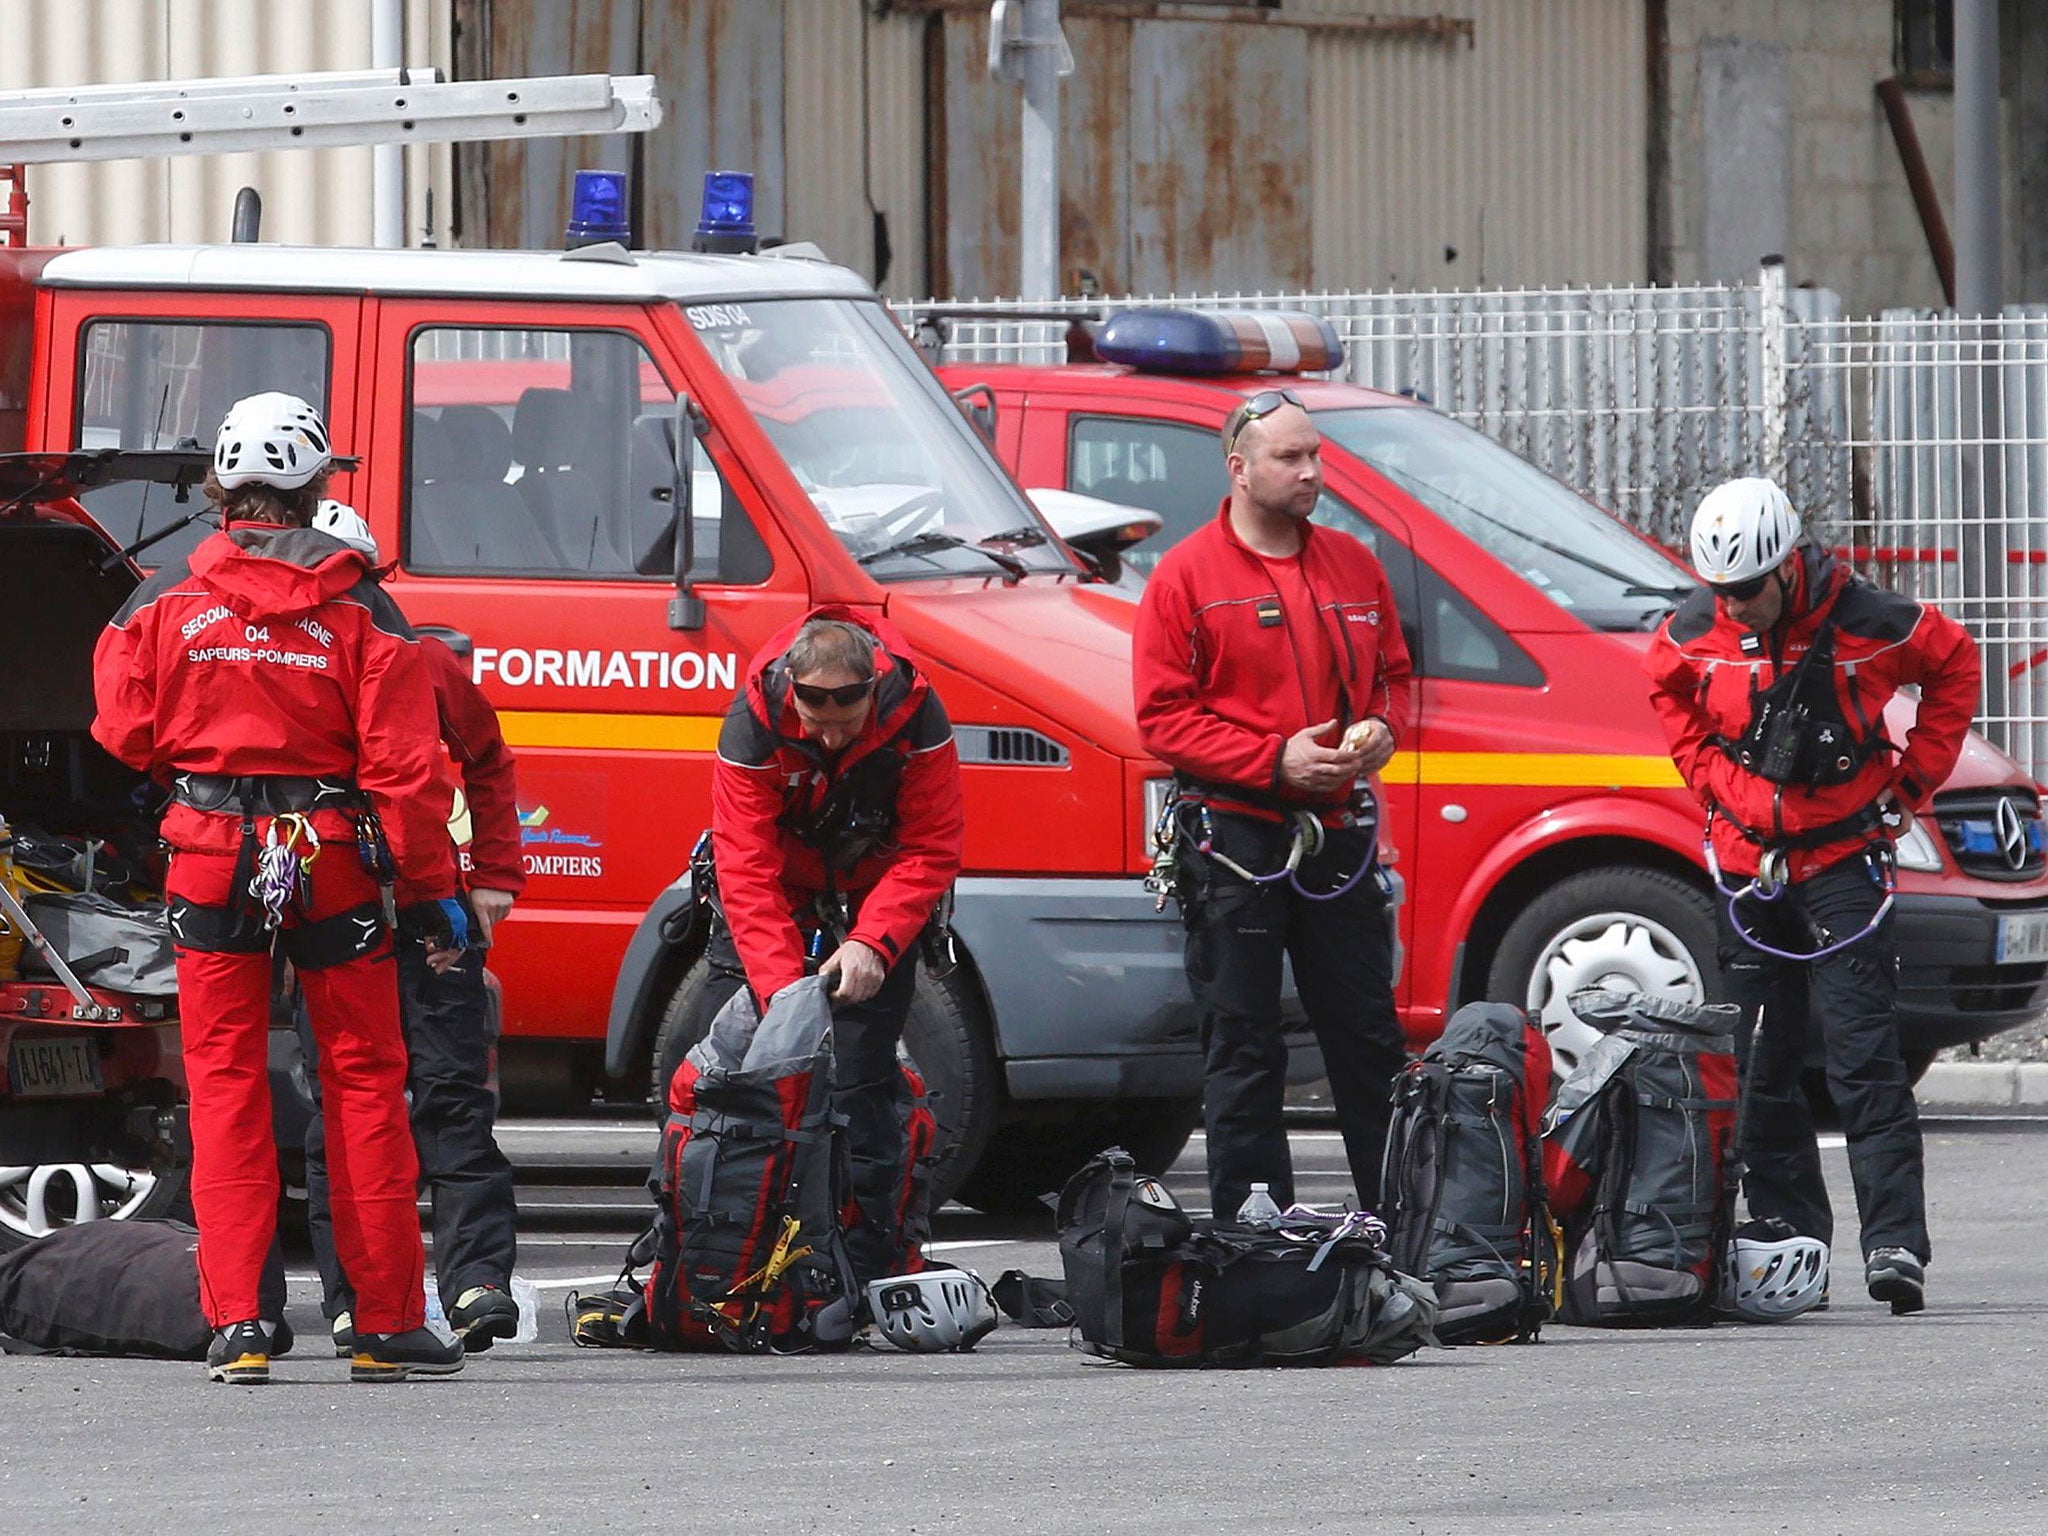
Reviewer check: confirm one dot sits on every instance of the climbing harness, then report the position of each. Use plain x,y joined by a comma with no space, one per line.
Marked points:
1773,878
1186,816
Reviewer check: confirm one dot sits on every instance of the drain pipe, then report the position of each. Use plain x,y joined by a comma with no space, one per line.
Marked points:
387,161
1920,182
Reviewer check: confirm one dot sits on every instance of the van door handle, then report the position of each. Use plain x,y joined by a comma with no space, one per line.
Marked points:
454,639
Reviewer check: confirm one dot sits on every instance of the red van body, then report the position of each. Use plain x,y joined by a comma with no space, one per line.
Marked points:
1546,840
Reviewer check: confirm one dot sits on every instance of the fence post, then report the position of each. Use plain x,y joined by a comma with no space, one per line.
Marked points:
1776,393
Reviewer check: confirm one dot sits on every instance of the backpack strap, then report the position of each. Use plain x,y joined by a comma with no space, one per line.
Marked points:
1115,1211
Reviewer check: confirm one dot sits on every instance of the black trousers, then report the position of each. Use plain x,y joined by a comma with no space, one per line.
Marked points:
865,1090
1342,953
1851,995
447,1035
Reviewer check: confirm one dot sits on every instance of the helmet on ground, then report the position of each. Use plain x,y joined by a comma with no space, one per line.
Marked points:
344,522
1773,1273
932,1312
1742,529
270,439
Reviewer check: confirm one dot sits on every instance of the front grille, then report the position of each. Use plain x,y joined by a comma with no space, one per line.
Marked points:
1008,746
1994,834
1995,988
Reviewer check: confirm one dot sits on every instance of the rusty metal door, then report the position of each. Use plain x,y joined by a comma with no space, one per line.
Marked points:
1184,160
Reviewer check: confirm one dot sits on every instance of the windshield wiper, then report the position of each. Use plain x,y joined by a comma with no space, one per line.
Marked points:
931,543
1029,533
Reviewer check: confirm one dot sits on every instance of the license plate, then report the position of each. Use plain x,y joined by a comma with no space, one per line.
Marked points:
2022,937
51,1069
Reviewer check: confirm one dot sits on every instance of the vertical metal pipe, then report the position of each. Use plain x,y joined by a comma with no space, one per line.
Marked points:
1039,207
387,161
1771,302
1980,244
1979,281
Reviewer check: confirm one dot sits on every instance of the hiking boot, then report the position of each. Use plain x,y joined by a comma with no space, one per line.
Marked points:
394,1356
281,1338
483,1314
240,1355
1896,1275
343,1332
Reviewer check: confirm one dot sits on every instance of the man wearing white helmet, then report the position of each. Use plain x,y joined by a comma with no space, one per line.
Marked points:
1772,683
285,702
446,1011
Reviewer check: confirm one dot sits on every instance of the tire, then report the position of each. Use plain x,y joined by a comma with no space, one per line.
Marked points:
1629,928
35,1200
947,1038
1043,1145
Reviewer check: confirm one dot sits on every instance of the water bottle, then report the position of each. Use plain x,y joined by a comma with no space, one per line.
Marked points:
527,1294
437,1317
1259,1210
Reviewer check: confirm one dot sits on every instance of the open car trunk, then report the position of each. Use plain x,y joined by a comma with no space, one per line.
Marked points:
91,1107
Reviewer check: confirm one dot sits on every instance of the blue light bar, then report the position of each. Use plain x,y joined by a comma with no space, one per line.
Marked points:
728,204
597,210
1219,341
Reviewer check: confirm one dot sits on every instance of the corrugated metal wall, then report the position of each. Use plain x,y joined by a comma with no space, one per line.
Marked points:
310,196
1520,158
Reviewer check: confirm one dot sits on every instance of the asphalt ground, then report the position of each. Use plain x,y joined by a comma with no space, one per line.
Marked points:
1848,1421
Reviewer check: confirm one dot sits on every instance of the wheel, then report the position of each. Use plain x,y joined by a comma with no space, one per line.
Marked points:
37,1199
1627,929
1043,1145
946,1037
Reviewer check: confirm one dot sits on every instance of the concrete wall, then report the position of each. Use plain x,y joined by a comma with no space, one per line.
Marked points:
1756,84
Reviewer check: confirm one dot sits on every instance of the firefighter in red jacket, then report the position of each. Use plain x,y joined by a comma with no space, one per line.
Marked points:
836,828
1270,673
283,698
446,1011
1772,684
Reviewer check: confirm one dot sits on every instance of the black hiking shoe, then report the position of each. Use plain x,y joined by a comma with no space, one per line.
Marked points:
1895,1275
343,1331
281,1338
394,1356
484,1314
240,1355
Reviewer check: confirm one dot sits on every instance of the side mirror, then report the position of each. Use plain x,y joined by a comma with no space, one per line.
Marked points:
686,608
978,401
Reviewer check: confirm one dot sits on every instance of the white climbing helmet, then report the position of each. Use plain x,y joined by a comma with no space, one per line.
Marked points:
344,522
1742,529
932,1312
270,439
1771,1279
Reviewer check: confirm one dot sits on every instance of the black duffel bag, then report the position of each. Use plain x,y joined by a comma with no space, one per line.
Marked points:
1150,1286
107,1288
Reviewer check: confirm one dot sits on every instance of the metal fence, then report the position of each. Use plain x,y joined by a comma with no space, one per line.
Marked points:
1917,442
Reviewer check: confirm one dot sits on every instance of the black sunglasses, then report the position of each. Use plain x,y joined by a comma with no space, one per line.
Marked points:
1264,403
845,695
1739,591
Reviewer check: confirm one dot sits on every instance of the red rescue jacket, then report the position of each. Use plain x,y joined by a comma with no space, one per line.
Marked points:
1703,679
271,652
470,732
1216,668
770,787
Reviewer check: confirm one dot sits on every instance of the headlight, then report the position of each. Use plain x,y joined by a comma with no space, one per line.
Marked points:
1915,850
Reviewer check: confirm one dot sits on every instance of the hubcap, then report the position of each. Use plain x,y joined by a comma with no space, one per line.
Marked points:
1617,951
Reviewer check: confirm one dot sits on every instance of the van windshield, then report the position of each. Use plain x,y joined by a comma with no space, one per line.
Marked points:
1582,559
885,455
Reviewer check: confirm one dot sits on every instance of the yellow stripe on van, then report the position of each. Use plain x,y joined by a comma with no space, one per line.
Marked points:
1575,770
610,733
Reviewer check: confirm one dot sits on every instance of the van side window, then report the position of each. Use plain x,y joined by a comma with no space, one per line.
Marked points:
547,453
1459,641
166,384
1176,471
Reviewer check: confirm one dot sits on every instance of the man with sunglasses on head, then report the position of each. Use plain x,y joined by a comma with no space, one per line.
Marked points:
1772,683
1269,671
836,828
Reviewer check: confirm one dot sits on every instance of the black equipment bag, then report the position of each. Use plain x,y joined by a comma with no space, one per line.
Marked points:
1463,1183
1149,1286
1641,1162
107,1288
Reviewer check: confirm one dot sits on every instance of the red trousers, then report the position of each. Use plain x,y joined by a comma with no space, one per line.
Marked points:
373,1172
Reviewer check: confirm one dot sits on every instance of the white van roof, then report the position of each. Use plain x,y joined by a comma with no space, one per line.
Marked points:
651,275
